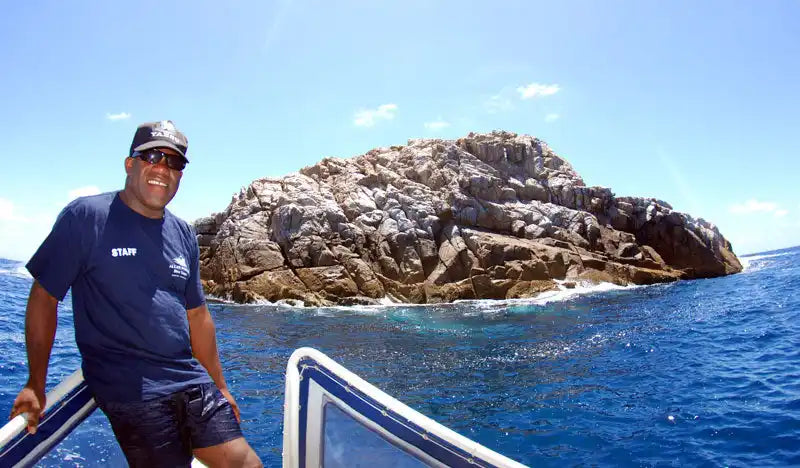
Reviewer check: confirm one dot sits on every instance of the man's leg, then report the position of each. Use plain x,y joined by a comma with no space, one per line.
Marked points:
149,433
233,453
215,434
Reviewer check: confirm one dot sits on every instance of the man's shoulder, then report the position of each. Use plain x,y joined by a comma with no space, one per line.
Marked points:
184,227
91,205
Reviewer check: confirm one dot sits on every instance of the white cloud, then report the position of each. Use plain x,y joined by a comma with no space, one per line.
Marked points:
551,117
120,116
748,238
24,227
83,192
754,206
498,103
6,210
504,100
368,117
781,212
20,234
437,124
20,239
536,89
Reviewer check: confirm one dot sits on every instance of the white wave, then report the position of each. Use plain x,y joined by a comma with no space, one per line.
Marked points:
16,337
757,262
212,299
480,306
384,303
746,263
562,294
18,271
581,288
73,457
375,309
388,300
554,347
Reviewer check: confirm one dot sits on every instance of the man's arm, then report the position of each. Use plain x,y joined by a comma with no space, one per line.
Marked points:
203,337
40,331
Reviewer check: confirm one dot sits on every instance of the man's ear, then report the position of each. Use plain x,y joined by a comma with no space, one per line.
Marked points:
128,165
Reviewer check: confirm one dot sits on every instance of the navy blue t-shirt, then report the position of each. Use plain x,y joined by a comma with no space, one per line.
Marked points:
132,279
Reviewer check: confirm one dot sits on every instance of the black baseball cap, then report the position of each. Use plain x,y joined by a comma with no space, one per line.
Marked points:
162,134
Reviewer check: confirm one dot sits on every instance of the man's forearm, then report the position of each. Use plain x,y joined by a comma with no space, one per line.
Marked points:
204,343
40,331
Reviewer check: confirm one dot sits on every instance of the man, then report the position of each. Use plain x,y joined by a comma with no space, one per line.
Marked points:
141,323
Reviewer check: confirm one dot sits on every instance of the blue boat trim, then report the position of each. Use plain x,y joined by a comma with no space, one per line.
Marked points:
26,449
392,422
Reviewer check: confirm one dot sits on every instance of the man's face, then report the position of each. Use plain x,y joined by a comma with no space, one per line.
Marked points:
150,187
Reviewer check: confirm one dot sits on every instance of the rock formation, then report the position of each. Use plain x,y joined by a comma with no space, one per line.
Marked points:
495,215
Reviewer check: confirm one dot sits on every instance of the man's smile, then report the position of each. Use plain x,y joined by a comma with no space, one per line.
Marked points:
157,182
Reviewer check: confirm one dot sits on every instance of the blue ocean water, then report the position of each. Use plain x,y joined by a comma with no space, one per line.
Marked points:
699,373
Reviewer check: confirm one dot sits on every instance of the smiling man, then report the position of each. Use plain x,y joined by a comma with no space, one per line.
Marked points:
146,338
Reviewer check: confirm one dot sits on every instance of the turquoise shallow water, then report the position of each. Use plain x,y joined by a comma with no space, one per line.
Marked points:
700,373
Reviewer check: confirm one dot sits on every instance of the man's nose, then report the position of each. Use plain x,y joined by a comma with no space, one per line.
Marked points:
161,166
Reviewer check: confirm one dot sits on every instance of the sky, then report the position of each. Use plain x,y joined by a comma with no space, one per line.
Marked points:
694,103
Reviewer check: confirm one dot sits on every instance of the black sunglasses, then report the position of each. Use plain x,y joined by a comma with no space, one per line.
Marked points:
154,156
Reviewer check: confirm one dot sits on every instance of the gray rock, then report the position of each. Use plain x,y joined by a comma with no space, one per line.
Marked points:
487,215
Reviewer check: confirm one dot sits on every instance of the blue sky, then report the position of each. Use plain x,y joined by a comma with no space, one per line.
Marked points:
695,103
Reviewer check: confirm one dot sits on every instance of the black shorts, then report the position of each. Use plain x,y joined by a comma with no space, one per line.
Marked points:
163,431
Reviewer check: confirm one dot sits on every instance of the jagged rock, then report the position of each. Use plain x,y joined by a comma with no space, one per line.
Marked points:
276,285
494,215
333,280
206,225
530,288
449,292
488,288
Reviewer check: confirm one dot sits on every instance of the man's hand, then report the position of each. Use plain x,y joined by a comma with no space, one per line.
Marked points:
227,394
32,402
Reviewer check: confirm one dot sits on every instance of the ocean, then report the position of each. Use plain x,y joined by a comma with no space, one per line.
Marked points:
697,373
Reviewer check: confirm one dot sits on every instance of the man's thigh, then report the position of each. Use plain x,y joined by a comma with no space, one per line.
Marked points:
233,453
215,433
149,433
210,419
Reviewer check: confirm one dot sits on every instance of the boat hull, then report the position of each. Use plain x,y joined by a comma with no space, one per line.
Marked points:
332,418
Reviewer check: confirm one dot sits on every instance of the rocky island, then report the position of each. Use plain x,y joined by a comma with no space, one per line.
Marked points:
487,216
